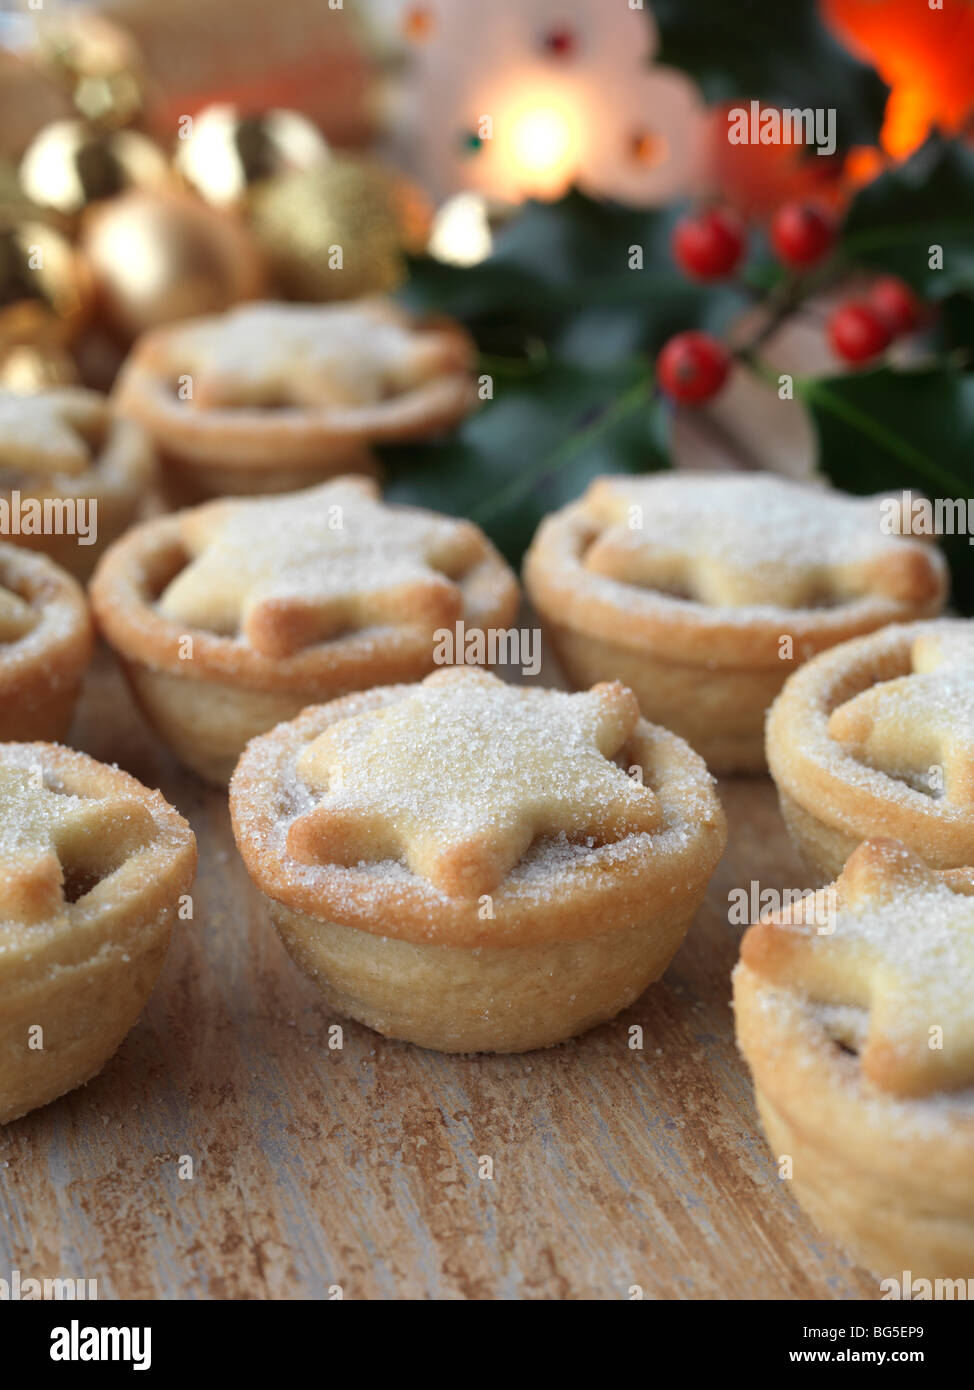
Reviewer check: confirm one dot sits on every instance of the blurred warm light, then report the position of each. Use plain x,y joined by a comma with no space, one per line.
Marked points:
923,53
461,232
863,164
543,149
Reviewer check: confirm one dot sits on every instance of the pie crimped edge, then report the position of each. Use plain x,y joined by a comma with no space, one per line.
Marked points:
830,800
120,472
85,977
254,441
41,671
388,900
887,1175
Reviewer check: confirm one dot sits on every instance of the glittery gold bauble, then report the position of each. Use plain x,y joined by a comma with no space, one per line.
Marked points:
222,153
35,368
71,164
335,232
45,289
98,64
161,257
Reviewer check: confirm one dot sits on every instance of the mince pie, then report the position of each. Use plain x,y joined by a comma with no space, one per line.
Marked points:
92,867
46,641
702,591
476,866
72,474
854,1014
271,397
876,737
233,616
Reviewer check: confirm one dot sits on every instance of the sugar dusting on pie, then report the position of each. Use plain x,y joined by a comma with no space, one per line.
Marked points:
43,830
919,722
299,355
735,541
902,949
461,776
293,571
49,433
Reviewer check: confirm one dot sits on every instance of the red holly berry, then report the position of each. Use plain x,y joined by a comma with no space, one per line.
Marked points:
801,233
692,367
709,244
896,304
857,333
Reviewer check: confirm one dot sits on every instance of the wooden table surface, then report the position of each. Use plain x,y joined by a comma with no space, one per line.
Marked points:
359,1168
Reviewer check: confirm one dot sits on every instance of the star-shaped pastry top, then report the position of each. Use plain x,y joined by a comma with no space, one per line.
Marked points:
51,432
48,837
901,949
307,355
294,570
911,724
16,617
459,776
749,540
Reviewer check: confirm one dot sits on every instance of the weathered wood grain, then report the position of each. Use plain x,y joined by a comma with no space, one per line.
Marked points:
359,1168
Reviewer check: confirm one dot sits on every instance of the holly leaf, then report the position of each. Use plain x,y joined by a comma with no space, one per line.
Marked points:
593,280
887,430
927,202
780,54
550,428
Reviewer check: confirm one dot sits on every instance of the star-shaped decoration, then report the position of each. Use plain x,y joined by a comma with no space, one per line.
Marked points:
310,566
923,720
461,775
49,837
736,540
16,617
900,948
303,355
49,433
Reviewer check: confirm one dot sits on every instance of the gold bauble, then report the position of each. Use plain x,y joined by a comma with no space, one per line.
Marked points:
45,288
157,258
223,153
336,232
71,164
27,368
98,64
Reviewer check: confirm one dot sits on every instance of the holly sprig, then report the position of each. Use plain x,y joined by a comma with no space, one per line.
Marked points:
582,315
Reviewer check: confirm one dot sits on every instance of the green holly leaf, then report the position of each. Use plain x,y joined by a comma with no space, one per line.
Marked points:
594,281
550,428
924,203
886,430
779,54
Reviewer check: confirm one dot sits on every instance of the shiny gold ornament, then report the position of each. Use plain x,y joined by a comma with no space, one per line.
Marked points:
95,61
222,153
34,368
157,258
45,289
336,232
71,164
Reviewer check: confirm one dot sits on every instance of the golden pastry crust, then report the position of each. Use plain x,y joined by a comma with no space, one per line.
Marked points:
685,586
60,448
285,395
46,640
466,864
232,617
874,738
836,1028
92,866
